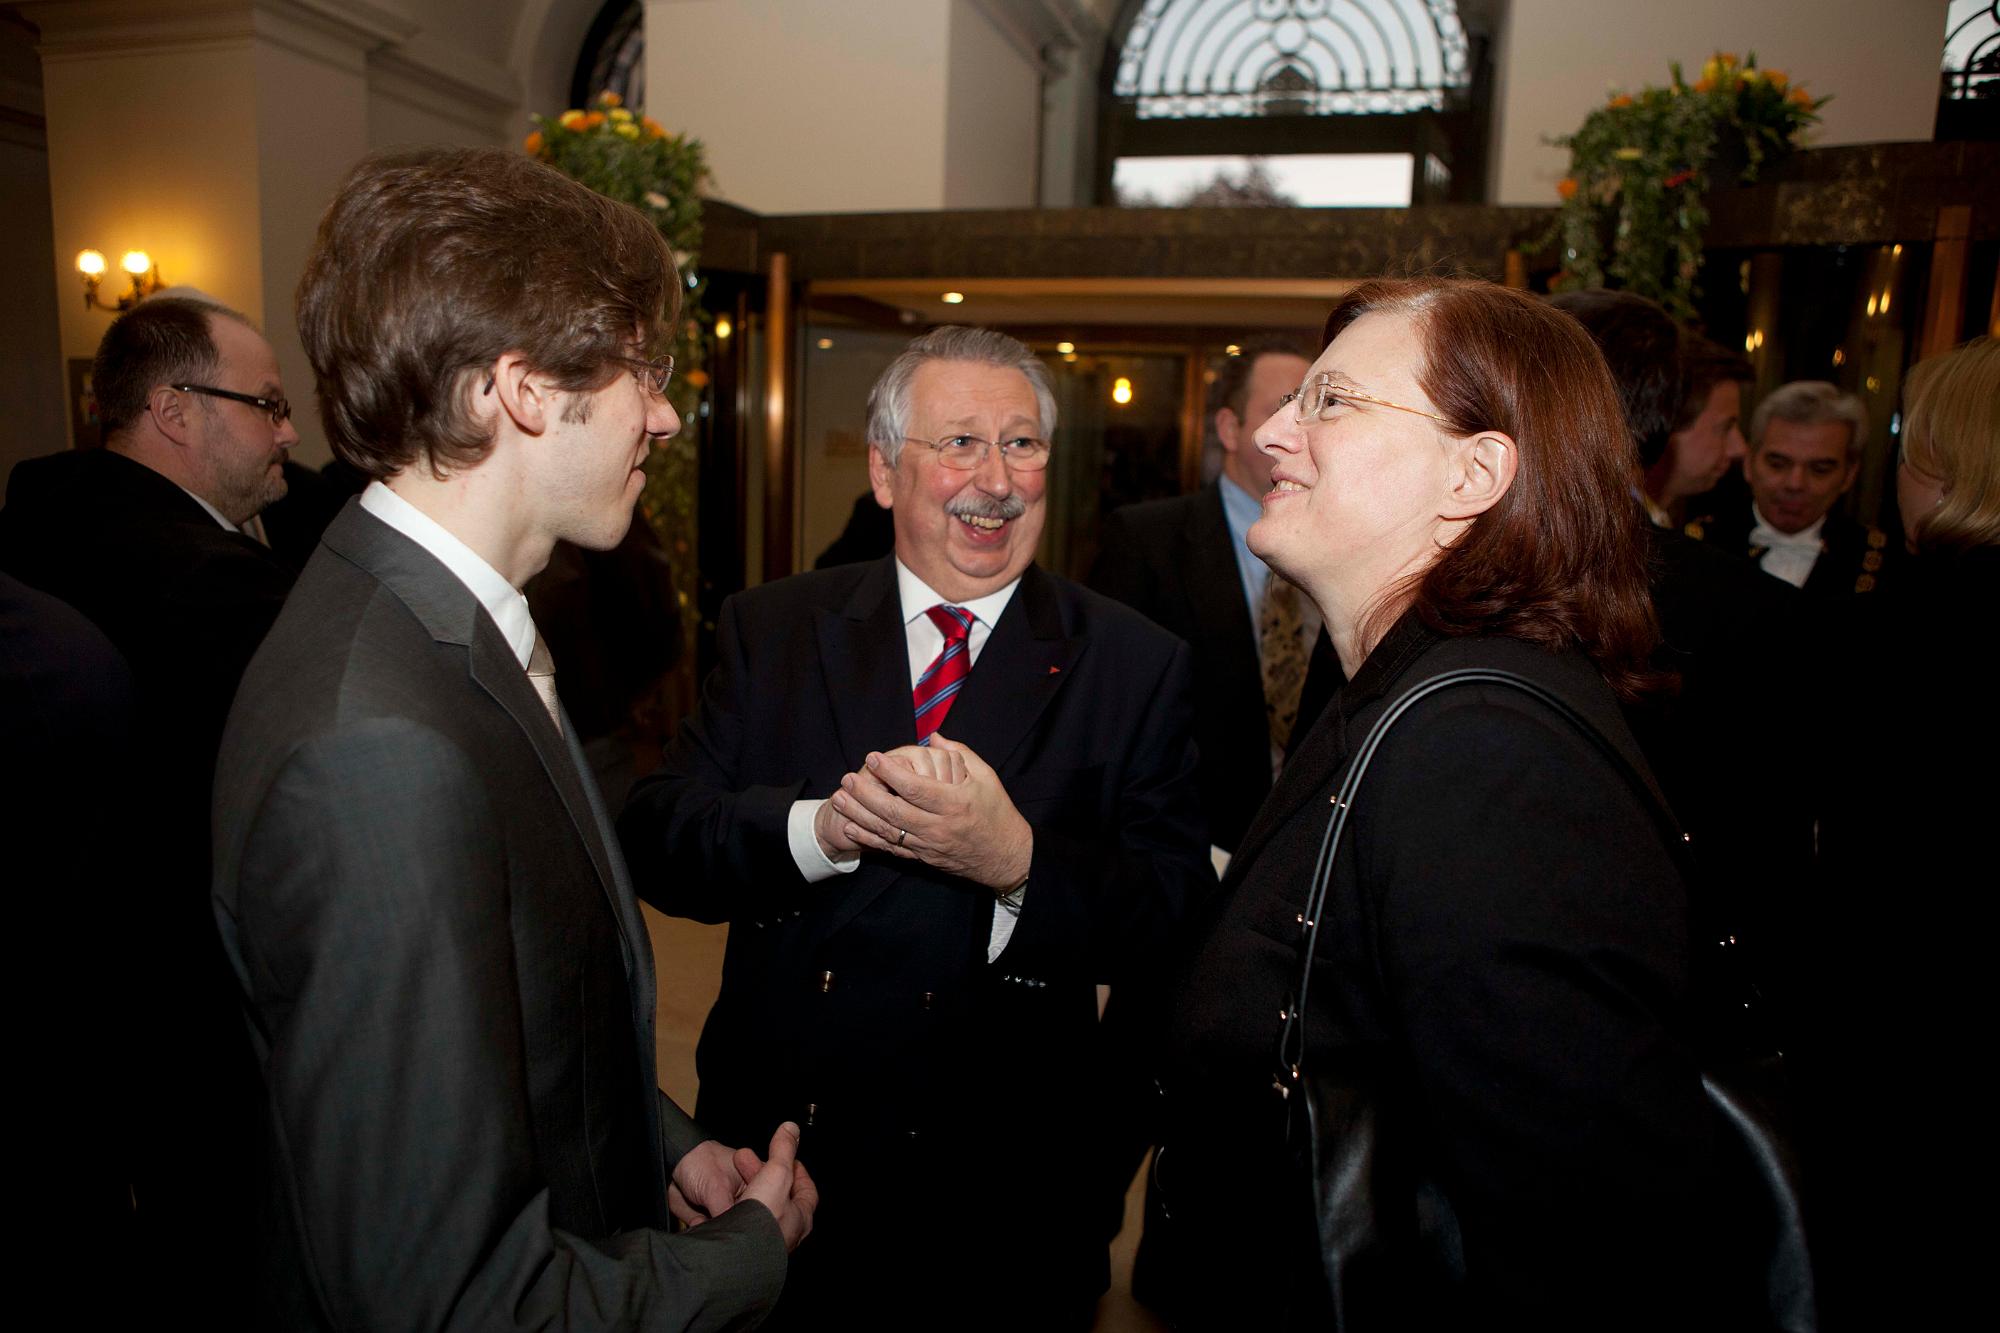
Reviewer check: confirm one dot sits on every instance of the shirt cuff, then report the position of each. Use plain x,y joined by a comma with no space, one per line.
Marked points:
807,855
1006,913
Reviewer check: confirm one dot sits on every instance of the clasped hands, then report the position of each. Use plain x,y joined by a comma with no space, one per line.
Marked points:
710,1180
940,804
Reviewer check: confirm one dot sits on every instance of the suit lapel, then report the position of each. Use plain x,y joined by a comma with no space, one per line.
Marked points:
451,614
496,670
1020,669
1215,589
1024,665
864,663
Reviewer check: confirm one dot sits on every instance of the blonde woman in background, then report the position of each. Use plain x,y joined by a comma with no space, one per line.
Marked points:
1897,973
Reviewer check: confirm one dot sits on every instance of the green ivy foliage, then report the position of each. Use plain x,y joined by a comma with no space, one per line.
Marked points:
1632,205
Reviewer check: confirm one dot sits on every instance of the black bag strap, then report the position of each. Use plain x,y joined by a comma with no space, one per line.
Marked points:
1291,1039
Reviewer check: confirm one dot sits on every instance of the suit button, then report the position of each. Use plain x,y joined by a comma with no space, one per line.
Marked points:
826,981
929,996
812,1111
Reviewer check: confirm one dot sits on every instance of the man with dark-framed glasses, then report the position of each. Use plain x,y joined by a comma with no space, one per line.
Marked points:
944,799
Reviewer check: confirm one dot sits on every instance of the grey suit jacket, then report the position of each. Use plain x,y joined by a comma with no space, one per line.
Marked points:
448,983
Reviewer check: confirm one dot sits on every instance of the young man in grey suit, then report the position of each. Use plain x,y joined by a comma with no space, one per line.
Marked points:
447,979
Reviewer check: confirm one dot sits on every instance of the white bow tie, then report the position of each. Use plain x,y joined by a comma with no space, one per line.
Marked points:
1768,537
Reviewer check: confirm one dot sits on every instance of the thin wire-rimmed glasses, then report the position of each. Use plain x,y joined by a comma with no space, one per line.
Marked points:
1318,396
963,453
652,374
279,410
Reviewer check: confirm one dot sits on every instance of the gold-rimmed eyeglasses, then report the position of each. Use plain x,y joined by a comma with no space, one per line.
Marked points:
1318,396
963,453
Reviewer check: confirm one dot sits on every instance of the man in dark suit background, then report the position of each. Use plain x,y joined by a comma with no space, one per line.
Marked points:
1728,631
920,934
448,983
1805,452
1183,564
143,537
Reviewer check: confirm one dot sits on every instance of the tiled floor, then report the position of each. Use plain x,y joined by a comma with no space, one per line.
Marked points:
689,960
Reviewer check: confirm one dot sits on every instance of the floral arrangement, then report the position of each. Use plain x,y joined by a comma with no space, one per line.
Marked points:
1632,204
628,156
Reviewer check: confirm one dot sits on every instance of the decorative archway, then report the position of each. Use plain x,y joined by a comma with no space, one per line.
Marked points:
1271,78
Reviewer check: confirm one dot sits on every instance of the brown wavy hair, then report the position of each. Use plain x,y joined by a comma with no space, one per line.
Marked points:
430,265
1560,559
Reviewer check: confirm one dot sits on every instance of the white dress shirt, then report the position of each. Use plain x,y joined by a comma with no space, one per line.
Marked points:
924,640
502,600
1787,555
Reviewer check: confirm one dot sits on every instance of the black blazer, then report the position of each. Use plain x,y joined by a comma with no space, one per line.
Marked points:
449,986
863,1006
1507,933
1173,561
185,601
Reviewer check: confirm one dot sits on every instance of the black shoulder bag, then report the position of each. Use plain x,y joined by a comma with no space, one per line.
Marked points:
1386,1228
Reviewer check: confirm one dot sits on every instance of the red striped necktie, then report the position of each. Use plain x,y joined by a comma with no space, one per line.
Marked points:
938,686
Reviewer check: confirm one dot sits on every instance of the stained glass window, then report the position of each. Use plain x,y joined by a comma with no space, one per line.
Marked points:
1217,58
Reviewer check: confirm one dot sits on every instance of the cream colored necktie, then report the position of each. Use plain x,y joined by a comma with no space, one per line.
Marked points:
542,675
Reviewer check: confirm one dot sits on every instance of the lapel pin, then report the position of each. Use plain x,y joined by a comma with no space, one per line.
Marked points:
1054,669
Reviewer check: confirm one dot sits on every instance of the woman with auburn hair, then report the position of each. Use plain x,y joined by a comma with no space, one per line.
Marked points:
1499,966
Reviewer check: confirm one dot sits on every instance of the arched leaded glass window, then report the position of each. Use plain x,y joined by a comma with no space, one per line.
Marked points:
1276,83
1291,57
613,56
1969,88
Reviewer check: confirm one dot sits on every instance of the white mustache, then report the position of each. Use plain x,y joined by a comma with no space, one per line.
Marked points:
980,505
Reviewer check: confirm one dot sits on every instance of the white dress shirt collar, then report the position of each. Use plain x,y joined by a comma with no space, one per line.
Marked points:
919,597
1762,533
501,599
213,512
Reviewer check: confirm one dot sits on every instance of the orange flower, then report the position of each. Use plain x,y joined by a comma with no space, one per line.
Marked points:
1776,78
609,98
653,127
1621,101
571,119
532,145
1704,85
1801,97
593,119
1566,187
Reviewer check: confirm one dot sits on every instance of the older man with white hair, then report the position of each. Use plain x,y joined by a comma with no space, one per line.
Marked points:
941,798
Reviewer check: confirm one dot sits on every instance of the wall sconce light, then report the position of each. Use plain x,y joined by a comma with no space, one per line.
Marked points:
136,263
723,328
1121,391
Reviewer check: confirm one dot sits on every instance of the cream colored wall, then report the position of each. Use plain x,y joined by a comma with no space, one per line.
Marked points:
160,155
992,114
311,129
807,107
212,135
1560,58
